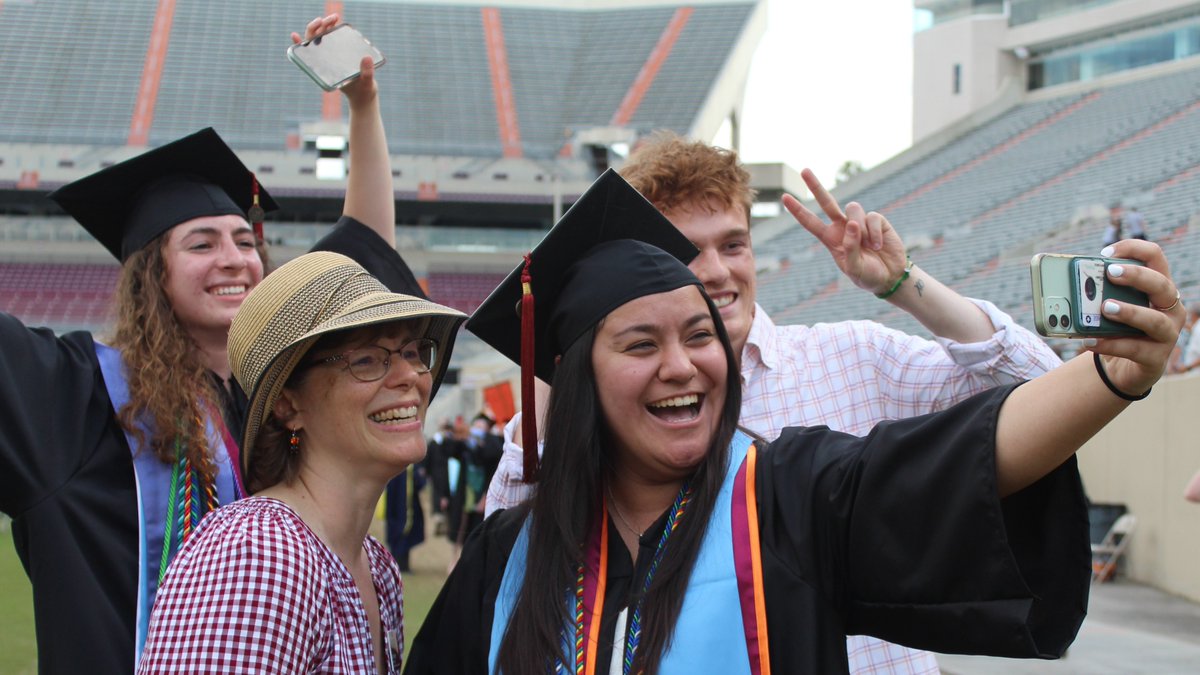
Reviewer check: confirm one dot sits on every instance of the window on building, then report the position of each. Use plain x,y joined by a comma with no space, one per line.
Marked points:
1115,54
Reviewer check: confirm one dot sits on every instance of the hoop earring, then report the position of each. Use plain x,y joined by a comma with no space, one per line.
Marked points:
294,442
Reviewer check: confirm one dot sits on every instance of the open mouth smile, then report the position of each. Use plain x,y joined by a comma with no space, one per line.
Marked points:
228,290
400,415
677,408
724,299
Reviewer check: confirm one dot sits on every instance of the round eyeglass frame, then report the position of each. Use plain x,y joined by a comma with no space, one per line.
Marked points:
419,366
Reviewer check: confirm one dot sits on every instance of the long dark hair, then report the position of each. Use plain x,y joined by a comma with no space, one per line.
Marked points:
576,462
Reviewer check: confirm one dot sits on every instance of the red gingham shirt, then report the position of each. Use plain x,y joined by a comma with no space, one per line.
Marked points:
254,590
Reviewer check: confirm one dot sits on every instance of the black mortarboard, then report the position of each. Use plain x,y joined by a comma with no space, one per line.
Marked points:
611,247
125,206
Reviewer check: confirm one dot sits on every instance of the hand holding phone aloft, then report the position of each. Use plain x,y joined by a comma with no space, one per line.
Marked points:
333,56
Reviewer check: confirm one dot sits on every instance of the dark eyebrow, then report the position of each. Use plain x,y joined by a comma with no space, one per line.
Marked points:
650,328
214,231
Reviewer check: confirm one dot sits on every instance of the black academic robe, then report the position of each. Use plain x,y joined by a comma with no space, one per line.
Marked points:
462,497
899,535
403,514
66,479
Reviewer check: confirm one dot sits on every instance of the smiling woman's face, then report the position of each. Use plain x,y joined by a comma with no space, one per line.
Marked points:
212,264
660,378
375,425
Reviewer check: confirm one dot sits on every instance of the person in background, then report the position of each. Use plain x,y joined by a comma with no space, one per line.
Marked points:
1112,231
848,375
404,516
1136,223
435,469
662,538
486,447
340,372
471,458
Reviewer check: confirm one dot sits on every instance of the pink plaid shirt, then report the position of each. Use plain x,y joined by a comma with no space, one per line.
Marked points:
850,376
255,591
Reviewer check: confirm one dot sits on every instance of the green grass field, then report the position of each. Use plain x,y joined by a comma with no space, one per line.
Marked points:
18,654
17,651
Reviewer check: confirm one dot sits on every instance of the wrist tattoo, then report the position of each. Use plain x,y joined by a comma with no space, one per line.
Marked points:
920,286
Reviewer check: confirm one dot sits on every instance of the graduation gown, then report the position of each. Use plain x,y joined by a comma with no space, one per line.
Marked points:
404,515
67,480
900,535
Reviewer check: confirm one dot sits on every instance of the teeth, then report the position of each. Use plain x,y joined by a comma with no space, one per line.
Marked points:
395,414
677,402
722,301
230,290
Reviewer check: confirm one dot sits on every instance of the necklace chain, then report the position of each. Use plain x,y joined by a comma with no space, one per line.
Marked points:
617,510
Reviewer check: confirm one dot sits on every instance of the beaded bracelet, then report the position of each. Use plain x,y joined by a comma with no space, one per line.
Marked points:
1111,387
896,286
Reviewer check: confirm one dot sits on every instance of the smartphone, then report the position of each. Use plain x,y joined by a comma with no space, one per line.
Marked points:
331,59
1068,291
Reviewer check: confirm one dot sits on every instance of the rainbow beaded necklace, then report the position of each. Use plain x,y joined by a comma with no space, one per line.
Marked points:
585,664
191,496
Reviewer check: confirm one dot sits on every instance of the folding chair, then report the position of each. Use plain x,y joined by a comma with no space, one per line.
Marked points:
1106,554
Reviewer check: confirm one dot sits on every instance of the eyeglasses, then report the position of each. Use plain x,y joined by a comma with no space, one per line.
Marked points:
368,364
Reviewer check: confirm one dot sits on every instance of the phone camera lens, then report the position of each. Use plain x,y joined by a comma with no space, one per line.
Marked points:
1065,321
1089,288
1053,321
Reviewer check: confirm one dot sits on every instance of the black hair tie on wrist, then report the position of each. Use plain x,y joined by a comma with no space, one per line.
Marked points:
1111,387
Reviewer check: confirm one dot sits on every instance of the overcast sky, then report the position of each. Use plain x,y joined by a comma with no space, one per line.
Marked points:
831,81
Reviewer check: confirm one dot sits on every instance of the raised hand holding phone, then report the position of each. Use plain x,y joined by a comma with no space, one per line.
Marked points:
333,55
369,186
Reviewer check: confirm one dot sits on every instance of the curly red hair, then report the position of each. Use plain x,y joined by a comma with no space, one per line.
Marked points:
673,172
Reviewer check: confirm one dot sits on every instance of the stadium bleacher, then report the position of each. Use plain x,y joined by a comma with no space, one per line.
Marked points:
986,201
59,296
462,291
80,68
224,67
975,209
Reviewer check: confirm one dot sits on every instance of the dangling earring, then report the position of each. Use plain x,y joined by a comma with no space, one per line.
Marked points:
294,442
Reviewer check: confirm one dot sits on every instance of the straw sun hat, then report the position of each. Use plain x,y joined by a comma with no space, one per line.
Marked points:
316,294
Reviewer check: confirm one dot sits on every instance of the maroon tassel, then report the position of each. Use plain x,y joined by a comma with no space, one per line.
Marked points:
256,214
528,408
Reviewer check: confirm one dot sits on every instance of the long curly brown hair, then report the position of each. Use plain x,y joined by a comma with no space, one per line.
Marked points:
167,382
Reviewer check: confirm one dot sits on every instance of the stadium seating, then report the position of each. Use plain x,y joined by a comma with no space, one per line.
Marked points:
59,296
1039,176
462,291
225,67
80,68
985,202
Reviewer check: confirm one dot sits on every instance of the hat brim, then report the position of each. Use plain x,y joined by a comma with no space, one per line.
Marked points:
374,309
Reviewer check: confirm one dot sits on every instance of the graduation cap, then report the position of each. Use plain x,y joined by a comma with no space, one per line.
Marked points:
611,247
125,206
